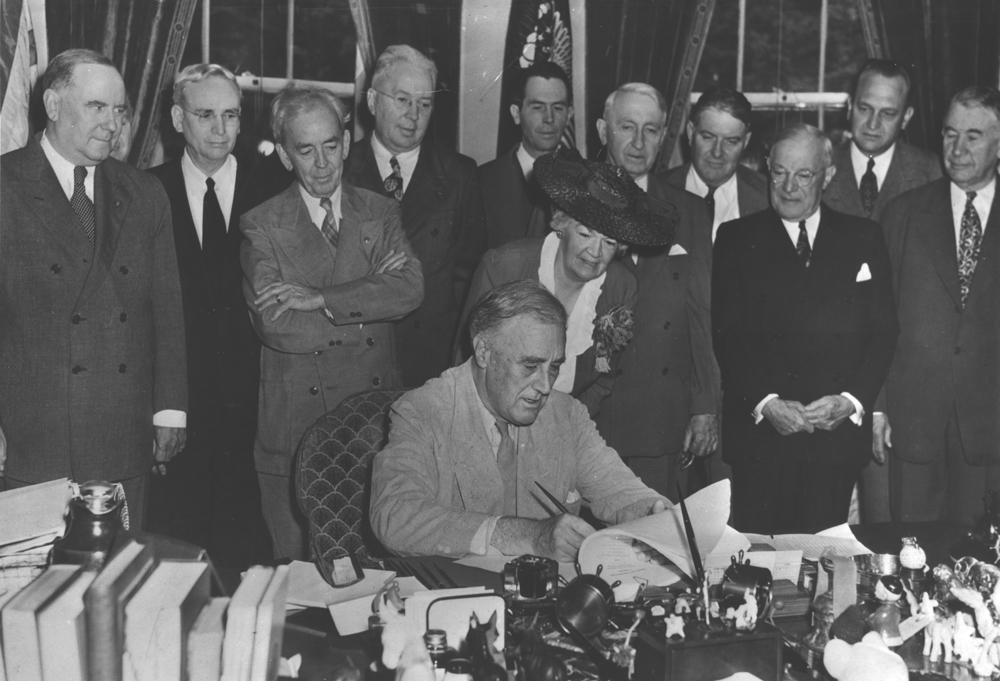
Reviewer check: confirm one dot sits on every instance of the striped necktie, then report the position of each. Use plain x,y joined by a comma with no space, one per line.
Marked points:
802,245
330,228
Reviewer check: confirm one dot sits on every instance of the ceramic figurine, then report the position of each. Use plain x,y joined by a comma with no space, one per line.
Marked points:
886,619
939,633
911,556
675,626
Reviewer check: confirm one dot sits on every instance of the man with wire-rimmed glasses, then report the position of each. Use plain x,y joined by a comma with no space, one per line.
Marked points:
805,327
210,496
438,191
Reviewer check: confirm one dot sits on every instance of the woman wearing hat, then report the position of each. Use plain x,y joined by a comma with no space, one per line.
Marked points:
599,213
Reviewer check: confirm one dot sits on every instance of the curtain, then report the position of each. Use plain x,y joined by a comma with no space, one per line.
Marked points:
659,43
144,38
946,45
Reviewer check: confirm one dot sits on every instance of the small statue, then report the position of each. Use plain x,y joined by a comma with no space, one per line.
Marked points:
744,618
911,556
675,626
885,620
939,633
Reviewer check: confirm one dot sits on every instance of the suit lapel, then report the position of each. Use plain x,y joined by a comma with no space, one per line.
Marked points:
937,228
427,185
476,472
111,205
896,178
52,208
306,247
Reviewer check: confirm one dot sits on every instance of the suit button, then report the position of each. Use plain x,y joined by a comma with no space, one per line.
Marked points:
357,314
122,368
123,269
666,325
370,341
56,269
665,371
76,319
340,342
77,369
958,351
332,343
376,381
314,390
123,317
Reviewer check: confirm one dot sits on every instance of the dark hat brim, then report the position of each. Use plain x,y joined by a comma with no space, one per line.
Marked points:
605,198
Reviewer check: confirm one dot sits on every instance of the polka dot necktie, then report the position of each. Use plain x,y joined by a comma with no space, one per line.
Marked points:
82,205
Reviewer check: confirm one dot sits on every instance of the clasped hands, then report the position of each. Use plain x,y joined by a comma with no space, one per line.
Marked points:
283,296
789,416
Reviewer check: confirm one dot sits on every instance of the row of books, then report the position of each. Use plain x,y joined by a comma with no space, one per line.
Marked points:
142,619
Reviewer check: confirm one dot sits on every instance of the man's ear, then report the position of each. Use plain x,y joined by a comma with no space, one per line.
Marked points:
50,98
907,115
347,143
828,175
602,131
177,118
480,351
515,113
690,133
371,100
285,161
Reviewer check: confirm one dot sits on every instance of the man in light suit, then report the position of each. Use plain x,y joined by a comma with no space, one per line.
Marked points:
664,399
327,268
718,131
211,497
878,115
804,328
515,206
439,195
465,450
92,367
942,396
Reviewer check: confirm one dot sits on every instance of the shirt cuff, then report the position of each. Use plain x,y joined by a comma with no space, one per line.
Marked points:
170,418
758,411
484,536
859,411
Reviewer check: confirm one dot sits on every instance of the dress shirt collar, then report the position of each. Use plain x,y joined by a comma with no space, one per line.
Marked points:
407,161
859,160
982,203
643,182
812,226
64,170
489,420
527,163
316,212
195,187
727,205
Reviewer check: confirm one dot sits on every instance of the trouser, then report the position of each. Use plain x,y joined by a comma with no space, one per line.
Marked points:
288,527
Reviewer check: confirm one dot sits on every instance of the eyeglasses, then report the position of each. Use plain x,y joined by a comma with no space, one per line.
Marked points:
404,102
206,118
802,178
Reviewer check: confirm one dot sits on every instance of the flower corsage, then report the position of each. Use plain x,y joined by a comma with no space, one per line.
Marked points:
612,332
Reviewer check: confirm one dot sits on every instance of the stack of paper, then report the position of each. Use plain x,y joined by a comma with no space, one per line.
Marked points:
33,518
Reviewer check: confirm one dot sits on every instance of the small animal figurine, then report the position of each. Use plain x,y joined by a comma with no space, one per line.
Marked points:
939,633
744,618
403,646
488,664
675,626
682,607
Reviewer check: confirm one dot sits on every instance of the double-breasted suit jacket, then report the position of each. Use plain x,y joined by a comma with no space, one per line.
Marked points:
91,336
948,358
667,372
311,361
751,187
521,259
514,208
443,221
802,333
910,167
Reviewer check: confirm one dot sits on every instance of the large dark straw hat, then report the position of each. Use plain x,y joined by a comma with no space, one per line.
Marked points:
605,198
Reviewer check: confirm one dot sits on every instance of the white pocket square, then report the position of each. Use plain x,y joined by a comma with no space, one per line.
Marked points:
677,249
864,274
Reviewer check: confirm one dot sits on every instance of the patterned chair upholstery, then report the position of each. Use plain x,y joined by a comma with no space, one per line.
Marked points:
333,477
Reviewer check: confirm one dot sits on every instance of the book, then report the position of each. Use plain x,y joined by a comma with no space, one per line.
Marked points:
62,632
269,628
19,624
204,644
104,605
241,621
32,511
159,618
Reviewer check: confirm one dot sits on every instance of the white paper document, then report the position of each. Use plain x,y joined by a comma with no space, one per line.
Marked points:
840,539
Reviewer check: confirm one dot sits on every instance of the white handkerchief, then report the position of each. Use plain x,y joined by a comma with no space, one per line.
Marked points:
677,249
864,274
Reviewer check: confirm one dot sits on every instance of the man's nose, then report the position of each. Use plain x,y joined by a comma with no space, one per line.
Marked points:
218,125
321,160
871,122
716,149
544,382
790,184
638,140
548,115
111,122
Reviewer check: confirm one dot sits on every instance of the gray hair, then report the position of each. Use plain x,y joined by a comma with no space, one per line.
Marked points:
638,89
979,95
804,131
59,72
525,297
295,100
393,56
561,220
195,73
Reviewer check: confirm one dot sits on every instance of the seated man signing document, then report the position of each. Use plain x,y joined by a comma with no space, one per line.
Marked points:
465,450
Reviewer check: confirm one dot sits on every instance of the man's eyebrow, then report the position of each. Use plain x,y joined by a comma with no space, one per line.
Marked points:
97,102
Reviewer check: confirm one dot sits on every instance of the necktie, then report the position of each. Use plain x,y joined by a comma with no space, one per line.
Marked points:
213,229
970,236
330,230
710,203
507,463
82,205
869,188
394,182
802,245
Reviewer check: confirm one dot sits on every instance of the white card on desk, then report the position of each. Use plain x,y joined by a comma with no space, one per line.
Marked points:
351,617
307,587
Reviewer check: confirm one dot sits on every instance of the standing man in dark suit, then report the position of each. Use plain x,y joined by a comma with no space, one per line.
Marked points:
664,399
439,193
514,204
211,497
942,397
92,368
327,267
874,167
804,328
718,131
